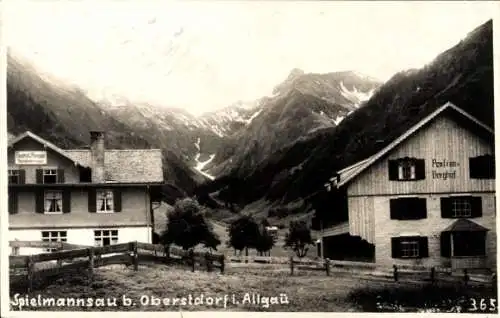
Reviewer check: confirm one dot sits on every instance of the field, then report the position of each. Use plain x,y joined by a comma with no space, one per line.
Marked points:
306,291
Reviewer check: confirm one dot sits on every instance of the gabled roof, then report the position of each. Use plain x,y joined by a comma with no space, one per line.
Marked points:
127,165
29,134
464,225
121,165
347,174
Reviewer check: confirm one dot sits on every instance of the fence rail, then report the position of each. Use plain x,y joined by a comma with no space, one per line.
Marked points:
77,257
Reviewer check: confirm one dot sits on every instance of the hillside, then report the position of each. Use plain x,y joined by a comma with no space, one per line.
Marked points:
302,104
462,75
65,115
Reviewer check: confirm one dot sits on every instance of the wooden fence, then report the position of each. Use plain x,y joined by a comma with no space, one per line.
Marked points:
71,257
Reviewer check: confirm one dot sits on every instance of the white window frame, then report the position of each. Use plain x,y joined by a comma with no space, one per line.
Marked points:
461,207
45,195
405,165
410,248
101,234
14,173
99,198
49,172
61,236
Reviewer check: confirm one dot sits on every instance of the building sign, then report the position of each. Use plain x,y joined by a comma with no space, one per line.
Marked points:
444,169
31,157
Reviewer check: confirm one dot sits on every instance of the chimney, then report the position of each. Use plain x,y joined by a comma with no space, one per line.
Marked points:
97,139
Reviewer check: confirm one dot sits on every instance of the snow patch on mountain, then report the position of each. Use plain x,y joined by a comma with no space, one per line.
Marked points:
338,119
201,164
354,95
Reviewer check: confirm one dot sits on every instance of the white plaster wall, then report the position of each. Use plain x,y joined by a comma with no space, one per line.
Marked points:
80,236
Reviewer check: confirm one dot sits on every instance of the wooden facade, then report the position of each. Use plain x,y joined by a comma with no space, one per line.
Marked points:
443,146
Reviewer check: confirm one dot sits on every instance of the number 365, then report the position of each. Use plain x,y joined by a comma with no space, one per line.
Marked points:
483,304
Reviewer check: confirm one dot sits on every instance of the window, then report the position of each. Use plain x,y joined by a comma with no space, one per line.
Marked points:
104,201
50,176
409,247
54,236
105,237
461,207
53,202
407,169
410,208
14,176
482,167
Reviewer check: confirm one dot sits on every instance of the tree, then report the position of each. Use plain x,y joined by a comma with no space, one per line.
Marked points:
188,227
265,242
243,233
298,238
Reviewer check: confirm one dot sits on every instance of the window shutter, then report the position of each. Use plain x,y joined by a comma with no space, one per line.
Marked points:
490,166
445,244
393,169
60,175
477,207
395,209
13,202
39,201
22,176
421,208
92,200
39,175
117,200
66,197
423,246
419,169
446,208
395,247
473,167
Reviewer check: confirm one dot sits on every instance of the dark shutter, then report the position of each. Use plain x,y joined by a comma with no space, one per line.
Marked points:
39,175
395,247
60,175
477,207
13,202
393,169
395,209
66,197
446,208
92,200
421,208
423,246
22,176
419,169
473,167
39,201
445,244
117,200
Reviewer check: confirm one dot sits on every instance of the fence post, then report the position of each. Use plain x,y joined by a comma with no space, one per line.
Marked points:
30,272
136,256
60,248
466,277
395,272
91,252
191,257
327,266
291,265
433,275
222,260
208,260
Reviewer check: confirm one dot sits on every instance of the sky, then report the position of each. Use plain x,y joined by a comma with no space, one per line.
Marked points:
202,56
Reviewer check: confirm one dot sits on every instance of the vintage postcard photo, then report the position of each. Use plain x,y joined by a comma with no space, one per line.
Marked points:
249,156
